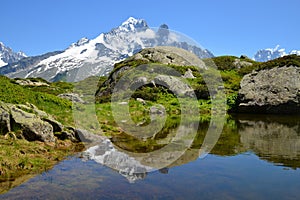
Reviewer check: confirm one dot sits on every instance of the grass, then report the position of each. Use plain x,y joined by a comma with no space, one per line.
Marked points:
54,88
88,87
289,60
61,109
19,158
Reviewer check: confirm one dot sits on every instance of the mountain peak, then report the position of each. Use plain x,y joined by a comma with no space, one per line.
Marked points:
7,55
264,55
97,56
4,48
131,20
132,24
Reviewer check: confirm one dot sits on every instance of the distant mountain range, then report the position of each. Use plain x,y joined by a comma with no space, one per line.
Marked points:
7,55
97,56
264,55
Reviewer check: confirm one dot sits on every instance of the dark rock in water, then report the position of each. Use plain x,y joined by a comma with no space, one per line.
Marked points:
68,134
275,90
164,170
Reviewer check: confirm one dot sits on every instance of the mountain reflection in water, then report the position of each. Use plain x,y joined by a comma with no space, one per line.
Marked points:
274,140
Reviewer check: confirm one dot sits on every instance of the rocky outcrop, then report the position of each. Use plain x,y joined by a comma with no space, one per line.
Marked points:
275,90
168,55
72,97
34,124
162,55
28,82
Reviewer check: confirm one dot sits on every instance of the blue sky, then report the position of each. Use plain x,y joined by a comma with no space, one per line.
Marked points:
226,27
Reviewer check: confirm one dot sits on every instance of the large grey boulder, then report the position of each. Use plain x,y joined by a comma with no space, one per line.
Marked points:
36,125
57,126
275,90
33,123
33,127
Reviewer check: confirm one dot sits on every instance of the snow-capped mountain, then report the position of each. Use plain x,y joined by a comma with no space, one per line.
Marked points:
97,56
264,55
7,55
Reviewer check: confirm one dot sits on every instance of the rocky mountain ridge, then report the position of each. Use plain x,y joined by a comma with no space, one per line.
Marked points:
97,56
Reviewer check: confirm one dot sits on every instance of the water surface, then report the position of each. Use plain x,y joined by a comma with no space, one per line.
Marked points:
256,157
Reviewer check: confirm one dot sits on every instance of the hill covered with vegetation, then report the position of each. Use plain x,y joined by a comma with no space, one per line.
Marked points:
19,156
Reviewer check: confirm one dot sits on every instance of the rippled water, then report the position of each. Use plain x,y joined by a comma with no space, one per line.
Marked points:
256,157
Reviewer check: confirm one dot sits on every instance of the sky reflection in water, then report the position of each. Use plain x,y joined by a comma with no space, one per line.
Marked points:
254,159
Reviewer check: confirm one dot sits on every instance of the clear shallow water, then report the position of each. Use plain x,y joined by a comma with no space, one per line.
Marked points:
254,159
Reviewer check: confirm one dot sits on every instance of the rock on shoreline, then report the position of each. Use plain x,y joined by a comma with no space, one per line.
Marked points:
31,123
271,91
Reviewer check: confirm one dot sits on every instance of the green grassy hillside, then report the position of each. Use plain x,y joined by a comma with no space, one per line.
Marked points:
231,68
44,97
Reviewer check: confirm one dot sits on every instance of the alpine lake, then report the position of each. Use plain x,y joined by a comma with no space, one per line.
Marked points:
255,157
